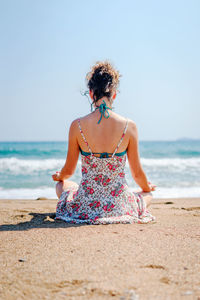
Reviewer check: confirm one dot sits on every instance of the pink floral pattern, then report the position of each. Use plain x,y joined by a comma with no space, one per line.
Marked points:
103,196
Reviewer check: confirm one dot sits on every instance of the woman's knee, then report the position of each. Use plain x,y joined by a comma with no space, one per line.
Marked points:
148,198
59,188
62,186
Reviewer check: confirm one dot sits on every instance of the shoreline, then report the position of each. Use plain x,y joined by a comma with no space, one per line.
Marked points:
49,259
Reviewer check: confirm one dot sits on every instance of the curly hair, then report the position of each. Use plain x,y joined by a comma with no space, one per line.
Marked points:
103,79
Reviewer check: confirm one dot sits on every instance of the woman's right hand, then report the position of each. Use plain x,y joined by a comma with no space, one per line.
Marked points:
152,186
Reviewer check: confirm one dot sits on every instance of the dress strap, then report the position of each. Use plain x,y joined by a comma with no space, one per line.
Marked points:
120,141
81,131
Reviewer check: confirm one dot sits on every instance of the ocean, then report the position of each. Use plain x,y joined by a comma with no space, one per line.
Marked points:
26,168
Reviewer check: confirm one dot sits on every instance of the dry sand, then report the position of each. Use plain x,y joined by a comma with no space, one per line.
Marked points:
41,258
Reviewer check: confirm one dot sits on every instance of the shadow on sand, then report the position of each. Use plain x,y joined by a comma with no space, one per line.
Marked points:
39,220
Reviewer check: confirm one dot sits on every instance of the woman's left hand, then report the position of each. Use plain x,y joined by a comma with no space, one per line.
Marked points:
56,176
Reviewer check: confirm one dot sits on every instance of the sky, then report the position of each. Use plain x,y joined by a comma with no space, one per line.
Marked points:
47,47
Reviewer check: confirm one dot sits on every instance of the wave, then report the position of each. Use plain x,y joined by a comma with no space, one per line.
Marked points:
48,192
171,162
22,166
18,166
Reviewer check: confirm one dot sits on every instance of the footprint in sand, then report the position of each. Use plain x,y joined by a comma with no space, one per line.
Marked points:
191,208
154,266
165,280
74,282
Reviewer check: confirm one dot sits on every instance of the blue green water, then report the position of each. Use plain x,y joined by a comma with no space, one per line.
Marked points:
26,168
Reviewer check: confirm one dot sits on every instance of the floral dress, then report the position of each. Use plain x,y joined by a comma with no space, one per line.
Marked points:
103,196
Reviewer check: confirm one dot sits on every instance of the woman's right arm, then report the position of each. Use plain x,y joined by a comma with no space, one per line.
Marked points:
134,159
72,155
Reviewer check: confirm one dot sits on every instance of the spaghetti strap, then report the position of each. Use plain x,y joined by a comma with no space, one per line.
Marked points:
81,131
123,134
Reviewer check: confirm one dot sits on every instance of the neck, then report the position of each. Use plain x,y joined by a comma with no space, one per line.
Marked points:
100,101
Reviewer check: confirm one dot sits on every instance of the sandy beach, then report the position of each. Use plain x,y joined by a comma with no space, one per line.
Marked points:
46,259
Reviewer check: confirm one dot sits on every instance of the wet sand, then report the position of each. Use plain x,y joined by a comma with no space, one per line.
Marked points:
41,258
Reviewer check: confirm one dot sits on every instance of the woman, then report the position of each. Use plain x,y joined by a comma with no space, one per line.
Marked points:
104,138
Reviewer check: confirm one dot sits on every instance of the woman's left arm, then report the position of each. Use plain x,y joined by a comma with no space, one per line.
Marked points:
72,155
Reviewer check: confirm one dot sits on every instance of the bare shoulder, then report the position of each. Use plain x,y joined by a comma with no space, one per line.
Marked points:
74,126
132,128
74,123
132,125
86,117
118,118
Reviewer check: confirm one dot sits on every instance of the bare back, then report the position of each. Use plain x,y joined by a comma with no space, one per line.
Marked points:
103,137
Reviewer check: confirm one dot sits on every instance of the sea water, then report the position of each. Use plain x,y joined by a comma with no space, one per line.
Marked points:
26,168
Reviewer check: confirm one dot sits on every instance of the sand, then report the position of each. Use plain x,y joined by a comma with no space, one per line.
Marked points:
41,258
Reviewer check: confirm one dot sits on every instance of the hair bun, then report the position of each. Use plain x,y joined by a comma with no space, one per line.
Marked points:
102,80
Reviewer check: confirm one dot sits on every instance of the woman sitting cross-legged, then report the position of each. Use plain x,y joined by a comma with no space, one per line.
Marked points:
104,139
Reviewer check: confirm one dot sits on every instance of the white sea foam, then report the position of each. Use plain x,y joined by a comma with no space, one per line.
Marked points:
49,192
21,193
21,166
171,162
177,192
17,166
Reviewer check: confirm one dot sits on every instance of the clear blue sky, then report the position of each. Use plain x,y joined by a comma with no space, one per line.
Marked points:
47,47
